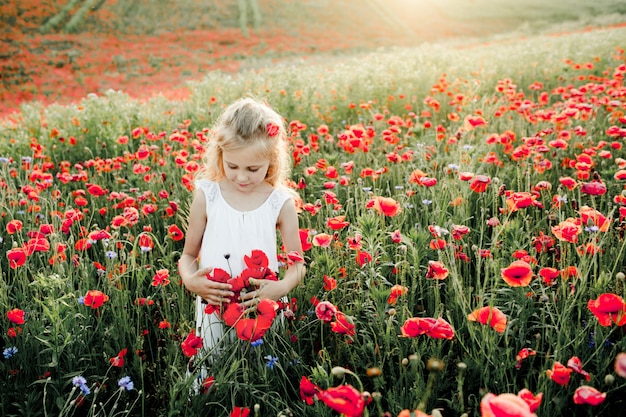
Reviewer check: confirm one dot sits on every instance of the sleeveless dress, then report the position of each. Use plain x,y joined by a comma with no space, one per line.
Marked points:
229,235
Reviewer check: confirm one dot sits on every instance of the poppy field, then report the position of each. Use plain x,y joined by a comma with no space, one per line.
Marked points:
462,212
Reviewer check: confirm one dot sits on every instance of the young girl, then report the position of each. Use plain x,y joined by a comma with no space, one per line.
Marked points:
240,200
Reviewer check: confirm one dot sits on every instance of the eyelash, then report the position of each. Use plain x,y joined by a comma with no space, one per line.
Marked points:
251,170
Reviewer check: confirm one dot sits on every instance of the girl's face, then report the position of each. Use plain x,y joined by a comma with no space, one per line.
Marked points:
244,168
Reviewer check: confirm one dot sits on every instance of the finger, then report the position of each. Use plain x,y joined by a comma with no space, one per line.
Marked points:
205,271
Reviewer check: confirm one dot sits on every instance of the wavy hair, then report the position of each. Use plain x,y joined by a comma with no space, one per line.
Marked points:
249,123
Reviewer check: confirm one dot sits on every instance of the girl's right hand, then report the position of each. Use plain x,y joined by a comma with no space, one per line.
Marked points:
211,291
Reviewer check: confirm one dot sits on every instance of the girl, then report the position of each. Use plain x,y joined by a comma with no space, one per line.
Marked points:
241,199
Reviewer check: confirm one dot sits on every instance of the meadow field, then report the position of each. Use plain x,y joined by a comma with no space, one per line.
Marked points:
463,215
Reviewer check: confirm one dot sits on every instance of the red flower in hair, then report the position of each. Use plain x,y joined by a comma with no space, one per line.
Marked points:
272,129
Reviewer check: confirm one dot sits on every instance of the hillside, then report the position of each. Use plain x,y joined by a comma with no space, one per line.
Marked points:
58,51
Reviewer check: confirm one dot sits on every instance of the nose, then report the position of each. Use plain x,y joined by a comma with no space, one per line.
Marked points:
242,176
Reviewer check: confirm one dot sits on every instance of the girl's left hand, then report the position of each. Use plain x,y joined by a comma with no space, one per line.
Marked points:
265,289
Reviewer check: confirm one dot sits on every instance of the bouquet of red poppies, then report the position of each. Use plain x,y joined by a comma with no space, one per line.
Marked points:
252,326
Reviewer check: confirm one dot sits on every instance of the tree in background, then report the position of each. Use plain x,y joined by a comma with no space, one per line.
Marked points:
255,9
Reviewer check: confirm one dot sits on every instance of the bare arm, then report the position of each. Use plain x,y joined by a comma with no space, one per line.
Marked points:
195,279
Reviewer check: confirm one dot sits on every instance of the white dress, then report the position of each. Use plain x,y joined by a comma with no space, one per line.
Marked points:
229,235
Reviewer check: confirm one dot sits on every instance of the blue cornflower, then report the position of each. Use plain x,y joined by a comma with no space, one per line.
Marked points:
271,361
257,342
81,300
111,254
80,382
4,160
427,202
125,383
453,167
592,229
8,352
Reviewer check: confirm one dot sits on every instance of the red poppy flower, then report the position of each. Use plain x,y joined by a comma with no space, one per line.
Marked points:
257,259
397,291
559,373
576,364
436,270
240,412
344,399
337,223
548,275
342,325
36,244
330,283
191,344
322,240
435,328
504,405
416,176
233,312
175,233
479,183
118,361
458,231
523,354
520,200
308,390
588,395
491,316
437,244
385,206
568,230
272,129
95,298
592,216
294,257
542,243
593,188
145,242
363,258
325,311
609,309
518,274
161,277
16,316
99,235
533,401
14,226
305,240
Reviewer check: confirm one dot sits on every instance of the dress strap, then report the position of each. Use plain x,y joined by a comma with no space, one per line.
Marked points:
277,200
208,187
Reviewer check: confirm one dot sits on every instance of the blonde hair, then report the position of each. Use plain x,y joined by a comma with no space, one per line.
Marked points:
249,123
